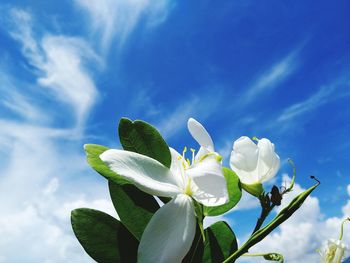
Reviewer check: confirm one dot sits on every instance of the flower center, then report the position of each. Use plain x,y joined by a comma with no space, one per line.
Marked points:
331,253
187,163
188,189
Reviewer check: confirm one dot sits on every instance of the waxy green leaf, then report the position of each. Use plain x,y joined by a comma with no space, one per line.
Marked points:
103,237
134,207
220,242
141,137
234,191
93,152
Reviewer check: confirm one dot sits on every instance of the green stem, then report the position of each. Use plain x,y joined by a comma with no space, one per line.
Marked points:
264,213
342,227
202,230
267,256
279,219
253,255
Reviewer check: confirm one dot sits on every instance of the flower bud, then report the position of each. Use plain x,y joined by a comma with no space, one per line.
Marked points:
254,163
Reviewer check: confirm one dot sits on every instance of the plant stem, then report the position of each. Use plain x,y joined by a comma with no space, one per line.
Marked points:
282,216
342,227
264,213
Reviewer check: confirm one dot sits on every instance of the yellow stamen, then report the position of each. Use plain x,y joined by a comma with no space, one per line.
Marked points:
183,152
217,156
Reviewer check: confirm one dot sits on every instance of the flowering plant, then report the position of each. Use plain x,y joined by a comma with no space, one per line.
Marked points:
171,229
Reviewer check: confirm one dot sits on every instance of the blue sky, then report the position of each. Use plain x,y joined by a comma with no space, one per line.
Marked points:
70,70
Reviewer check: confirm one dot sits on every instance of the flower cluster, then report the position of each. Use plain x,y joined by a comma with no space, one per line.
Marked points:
188,189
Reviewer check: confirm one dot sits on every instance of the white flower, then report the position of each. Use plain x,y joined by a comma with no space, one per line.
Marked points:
170,233
254,163
333,252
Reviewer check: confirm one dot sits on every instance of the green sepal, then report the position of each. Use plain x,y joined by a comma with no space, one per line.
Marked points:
103,237
234,192
254,189
134,207
93,152
141,137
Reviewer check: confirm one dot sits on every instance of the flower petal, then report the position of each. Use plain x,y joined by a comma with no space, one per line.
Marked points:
200,134
170,233
245,154
147,174
269,161
177,167
208,182
244,159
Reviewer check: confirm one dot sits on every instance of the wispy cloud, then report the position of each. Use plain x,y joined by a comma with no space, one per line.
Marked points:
118,18
19,104
59,62
273,76
144,104
324,95
176,119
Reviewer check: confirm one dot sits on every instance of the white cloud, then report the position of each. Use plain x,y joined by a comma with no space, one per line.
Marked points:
247,202
324,95
118,18
60,61
43,170
307,230
41,187
65,73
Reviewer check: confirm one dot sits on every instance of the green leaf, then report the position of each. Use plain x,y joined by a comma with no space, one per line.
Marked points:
134,207
234,191
103,237
142,138
220,242
93,152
